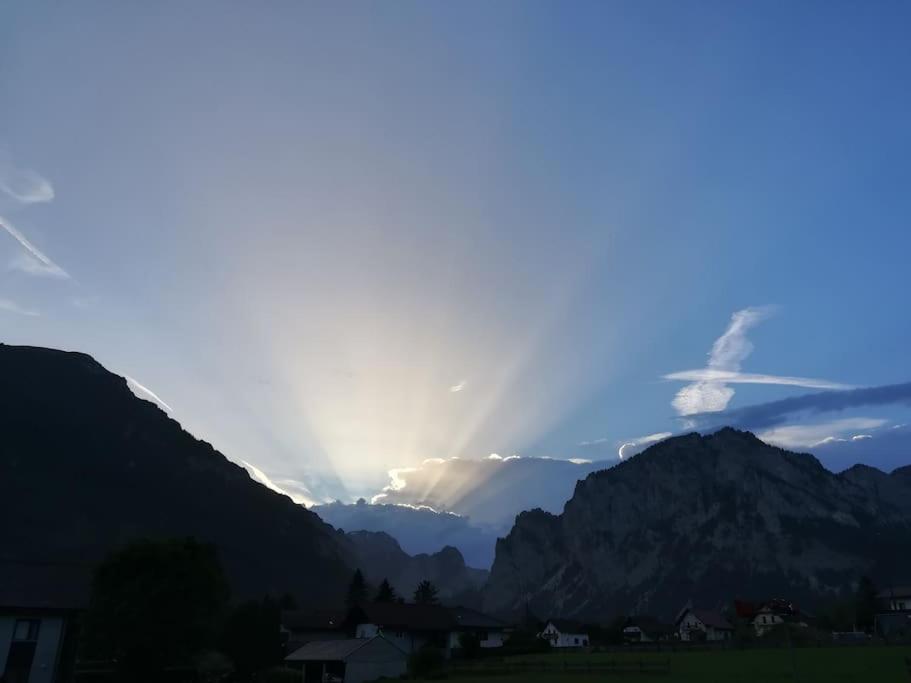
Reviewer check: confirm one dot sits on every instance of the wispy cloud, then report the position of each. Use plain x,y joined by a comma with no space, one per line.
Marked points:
12,307
819,434
455,388
709,391
593,442
146,393
766,415
23,185
636,445
33,261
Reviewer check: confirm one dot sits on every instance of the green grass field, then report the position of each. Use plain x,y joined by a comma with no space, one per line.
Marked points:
803,665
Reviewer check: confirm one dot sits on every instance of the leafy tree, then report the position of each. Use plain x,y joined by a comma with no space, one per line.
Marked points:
385,593
155,604
426,594
357,590
251,636
865,604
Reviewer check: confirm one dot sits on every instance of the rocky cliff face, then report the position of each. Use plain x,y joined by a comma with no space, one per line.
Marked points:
708,519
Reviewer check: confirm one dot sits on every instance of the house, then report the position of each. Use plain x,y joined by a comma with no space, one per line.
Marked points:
893,618
352,660
299,627
565,633
490,632
407,626
40,608
639,629
775,612
702,624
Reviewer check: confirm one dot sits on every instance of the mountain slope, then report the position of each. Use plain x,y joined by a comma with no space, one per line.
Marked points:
85,466
707,518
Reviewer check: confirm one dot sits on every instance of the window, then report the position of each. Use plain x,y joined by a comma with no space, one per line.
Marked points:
26,629
575,641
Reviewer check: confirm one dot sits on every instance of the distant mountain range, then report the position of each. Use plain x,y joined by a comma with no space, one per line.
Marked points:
418,530
705,519
86,466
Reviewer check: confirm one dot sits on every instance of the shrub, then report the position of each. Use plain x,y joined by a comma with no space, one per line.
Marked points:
426,662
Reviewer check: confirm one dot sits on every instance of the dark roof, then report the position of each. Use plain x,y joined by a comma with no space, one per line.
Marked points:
45,586
745,609
327,650
894,591
649,625
313,620
469,618
408,616
709,618
567,626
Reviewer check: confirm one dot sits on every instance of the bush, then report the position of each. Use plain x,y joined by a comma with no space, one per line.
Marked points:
426,662
524,642
278,674
469,646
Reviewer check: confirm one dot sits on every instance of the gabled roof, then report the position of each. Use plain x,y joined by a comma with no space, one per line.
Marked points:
649,625
313,620
567,626
330,650
894,592
466,617
407,616
708,617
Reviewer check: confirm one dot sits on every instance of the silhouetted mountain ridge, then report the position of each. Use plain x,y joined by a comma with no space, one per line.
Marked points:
86,466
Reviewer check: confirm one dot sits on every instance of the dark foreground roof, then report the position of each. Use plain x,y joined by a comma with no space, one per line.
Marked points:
334,650
711,618
408,616
466,617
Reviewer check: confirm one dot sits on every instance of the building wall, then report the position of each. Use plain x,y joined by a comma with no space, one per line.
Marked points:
407,641
558,639
764,622
47,647
376,659
493,639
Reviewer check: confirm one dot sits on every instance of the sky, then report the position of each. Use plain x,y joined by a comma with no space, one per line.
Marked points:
337,239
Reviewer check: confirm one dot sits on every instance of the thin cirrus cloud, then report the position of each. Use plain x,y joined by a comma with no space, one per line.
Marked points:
258,475
821,434
456,388
12,307
25,187
708,391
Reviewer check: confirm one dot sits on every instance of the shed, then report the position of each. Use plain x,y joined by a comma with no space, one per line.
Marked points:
348,661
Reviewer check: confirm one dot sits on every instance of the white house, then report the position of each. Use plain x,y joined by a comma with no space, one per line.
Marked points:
766,619
700,624
565,633
893,619
353,660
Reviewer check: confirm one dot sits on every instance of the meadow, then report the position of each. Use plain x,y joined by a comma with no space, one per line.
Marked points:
869,664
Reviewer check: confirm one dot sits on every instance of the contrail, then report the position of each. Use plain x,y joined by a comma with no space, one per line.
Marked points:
44,265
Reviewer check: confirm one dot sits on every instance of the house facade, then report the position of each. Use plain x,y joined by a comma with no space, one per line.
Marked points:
639,629
893,618
490,632
40,609
703,625
563,633
409,627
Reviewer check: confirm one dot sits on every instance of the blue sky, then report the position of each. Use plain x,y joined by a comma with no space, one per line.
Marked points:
302,226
